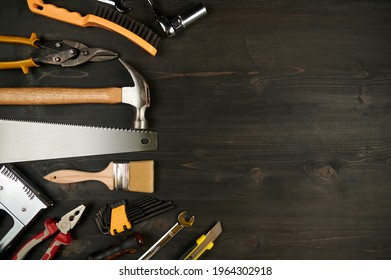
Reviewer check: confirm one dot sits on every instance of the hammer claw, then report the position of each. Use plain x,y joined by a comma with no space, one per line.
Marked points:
138,96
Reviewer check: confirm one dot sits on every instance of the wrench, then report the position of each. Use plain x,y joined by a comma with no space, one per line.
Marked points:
182,223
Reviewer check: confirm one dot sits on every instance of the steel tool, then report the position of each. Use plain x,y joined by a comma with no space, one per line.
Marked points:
182,223
28,141
64,225
65,53
117,217
118,4
203,243
136,96
21,200
171,26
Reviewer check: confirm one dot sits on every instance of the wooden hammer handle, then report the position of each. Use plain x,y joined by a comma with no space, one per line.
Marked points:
52,96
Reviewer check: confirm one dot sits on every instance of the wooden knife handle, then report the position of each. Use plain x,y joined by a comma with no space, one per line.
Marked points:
54,96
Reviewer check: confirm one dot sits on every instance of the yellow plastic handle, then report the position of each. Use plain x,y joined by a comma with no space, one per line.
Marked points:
23,64
20,40
199,242
119,221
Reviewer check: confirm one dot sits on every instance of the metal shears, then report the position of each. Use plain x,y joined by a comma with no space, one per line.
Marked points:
64,225
58,52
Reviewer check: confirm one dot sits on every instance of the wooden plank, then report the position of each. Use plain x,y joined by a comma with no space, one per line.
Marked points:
273,118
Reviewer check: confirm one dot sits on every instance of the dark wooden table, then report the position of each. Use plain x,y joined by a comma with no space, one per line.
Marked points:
273,117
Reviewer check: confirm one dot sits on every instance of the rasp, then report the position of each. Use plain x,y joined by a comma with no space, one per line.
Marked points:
30,141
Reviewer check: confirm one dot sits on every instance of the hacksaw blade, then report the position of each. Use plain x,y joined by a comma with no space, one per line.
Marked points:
30,141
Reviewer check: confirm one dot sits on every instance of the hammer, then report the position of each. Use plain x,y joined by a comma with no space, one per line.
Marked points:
137,96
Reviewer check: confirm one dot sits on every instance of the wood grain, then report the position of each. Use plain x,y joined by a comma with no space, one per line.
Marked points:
57,96
273,118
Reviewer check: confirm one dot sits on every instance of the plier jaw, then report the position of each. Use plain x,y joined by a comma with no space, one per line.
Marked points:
61,52
70,219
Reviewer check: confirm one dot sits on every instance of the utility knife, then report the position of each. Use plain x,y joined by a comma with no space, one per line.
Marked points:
203,243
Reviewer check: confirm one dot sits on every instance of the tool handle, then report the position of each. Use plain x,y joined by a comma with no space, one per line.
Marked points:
56,96
188,254
23,64
195,252
52,11
67,176
61,14
129,245
20,40
50,228
61,239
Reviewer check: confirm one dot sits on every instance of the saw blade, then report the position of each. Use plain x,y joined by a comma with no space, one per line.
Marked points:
30,141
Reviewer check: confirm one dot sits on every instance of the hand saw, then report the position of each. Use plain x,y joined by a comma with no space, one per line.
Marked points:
30,141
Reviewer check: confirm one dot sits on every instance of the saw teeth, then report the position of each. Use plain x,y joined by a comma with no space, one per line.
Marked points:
54,140
77,125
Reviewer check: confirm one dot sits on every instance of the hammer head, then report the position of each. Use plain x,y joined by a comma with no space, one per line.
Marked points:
137,96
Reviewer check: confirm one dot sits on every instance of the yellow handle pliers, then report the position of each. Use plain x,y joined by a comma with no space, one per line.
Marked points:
60,52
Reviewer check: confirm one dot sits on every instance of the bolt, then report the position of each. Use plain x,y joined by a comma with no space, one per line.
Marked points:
24,209
84,52
57,59
58,45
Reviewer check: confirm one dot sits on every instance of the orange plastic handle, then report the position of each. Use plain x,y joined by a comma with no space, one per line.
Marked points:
61,14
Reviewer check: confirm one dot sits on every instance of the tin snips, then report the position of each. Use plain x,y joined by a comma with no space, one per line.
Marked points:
58,52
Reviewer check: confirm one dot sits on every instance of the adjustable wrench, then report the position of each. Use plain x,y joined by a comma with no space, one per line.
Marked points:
182,222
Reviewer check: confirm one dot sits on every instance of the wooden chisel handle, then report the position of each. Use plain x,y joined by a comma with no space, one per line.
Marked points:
56,96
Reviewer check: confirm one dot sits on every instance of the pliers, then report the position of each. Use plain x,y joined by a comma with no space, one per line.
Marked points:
59,52
66,223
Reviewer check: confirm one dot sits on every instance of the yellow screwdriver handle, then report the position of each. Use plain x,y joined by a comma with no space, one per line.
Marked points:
23,64
20,40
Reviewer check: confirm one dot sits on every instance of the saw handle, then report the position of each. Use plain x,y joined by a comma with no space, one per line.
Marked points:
57,96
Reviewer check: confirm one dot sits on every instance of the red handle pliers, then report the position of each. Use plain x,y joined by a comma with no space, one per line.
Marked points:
66,223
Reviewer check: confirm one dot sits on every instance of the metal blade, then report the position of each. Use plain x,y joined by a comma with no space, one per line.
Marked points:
20,200
210,237
30,141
